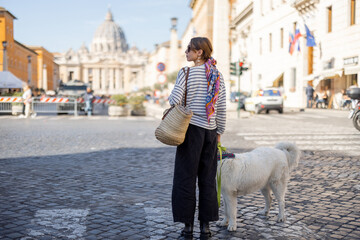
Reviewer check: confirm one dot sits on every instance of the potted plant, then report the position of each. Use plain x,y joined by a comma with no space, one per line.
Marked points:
137,106
16,107
120,107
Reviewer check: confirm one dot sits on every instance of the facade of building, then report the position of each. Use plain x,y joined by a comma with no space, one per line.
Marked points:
47,77
109,67
241,43
260,33
333,64
211,19
23,61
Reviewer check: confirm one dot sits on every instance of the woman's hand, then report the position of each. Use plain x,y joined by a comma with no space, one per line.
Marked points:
218,138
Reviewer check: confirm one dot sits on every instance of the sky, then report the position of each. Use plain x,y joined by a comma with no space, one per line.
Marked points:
59,25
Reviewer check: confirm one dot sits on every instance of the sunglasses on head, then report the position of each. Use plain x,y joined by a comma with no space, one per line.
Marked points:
189,48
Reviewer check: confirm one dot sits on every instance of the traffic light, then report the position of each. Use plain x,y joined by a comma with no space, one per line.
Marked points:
241,64
241,67
233,68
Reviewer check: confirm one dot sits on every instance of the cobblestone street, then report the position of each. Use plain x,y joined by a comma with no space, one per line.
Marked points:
100,178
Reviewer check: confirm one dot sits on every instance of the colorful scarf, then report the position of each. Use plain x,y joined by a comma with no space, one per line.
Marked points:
213,80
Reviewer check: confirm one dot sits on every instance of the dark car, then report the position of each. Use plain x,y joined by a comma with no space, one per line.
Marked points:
73,89
236,96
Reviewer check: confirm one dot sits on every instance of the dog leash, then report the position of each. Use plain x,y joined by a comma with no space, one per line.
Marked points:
218,175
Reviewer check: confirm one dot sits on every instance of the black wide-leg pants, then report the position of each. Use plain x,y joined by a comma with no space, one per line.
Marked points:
195,158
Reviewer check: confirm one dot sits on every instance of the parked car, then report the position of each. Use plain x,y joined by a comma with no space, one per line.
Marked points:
238,96
265,100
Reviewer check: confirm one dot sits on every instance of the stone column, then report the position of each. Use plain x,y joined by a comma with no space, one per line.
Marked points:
45,85
111,79
85,75
103,79
174,48
117,80
96,79
220,42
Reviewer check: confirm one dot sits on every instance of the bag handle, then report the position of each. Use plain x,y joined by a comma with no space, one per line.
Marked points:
186,79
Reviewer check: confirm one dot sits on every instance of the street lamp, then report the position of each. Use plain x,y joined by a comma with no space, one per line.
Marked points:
4,43
29,69
44,85
173,23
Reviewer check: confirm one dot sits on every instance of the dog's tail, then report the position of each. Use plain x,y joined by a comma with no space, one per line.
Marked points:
292,153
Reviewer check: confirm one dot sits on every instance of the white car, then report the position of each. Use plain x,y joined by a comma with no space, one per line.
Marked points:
265,100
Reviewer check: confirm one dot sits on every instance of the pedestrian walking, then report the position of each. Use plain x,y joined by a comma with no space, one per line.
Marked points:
89,97
196,157
309,95
27,97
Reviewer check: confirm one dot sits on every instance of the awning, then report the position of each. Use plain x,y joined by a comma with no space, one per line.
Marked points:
317,80
352,70
278,80
332,73
8,80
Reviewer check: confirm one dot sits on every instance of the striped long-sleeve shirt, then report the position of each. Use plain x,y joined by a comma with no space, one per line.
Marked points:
196,98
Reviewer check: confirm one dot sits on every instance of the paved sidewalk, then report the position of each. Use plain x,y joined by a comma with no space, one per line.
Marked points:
125,193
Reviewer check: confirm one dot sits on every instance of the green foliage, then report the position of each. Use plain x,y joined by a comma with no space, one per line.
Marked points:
17,94
145,90
171,77
136,100
120,99
158,86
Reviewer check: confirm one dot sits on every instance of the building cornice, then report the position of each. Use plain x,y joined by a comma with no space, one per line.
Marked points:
4,10
242,15
303,6
192,3
23,46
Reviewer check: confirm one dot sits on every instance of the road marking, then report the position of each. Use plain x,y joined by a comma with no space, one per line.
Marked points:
351,133
323,141
305,137
59,224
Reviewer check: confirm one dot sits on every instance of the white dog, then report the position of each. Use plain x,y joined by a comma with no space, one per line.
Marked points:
266,169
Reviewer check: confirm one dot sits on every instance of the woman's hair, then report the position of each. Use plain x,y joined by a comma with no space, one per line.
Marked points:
204,44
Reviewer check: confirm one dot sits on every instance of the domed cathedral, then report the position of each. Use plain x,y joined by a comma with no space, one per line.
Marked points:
109,67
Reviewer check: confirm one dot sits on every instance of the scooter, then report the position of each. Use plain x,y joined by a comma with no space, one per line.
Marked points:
355,113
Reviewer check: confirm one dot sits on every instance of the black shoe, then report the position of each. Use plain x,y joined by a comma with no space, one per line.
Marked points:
187,232
205,232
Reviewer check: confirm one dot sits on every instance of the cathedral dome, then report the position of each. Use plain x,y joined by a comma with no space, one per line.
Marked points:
109,37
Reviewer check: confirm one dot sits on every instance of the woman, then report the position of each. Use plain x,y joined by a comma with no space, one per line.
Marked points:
197,156
27,95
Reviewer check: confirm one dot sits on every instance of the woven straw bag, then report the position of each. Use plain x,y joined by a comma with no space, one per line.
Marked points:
175,122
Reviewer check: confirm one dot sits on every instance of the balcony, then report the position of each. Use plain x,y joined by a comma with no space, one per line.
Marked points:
304,6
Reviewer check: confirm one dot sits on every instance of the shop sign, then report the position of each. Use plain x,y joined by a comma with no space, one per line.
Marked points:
351,60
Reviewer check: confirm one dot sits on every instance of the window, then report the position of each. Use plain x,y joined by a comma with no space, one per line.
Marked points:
270,42
352,12
329,14
260,49
310,60
281,37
